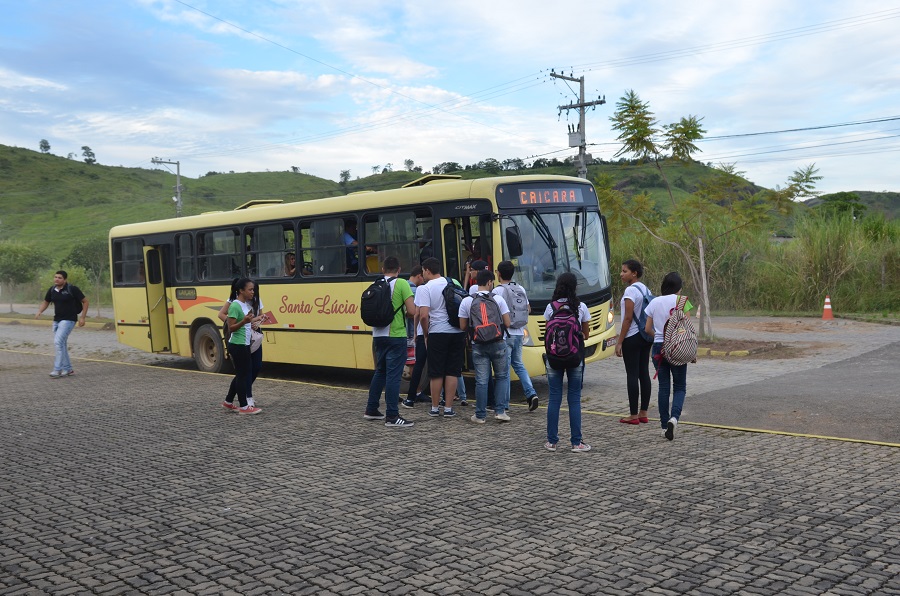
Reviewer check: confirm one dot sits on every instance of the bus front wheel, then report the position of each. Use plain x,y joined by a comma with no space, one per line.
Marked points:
209,351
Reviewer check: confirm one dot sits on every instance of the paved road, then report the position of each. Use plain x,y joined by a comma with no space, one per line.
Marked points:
132,479
858,397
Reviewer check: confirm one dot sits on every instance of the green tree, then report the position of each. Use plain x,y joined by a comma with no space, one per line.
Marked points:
409,164
344,179
92,255
19,264
89,157
490,165
703,227
45,146
840,203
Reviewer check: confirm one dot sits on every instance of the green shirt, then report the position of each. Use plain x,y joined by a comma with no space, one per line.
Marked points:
236,312
397,328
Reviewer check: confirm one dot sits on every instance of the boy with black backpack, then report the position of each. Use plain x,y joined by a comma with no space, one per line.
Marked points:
486,318
519,309
391,294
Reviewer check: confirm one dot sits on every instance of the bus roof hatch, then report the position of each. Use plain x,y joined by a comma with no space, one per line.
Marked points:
431,178
258,203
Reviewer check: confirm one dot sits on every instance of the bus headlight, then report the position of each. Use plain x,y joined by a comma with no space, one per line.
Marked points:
527,341
610,319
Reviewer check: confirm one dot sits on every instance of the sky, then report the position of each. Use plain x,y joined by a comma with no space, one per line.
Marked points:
271,85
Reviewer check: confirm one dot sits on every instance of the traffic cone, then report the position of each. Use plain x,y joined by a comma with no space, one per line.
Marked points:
826,312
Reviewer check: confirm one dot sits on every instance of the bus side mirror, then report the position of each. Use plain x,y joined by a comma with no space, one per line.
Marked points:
605,235
513,243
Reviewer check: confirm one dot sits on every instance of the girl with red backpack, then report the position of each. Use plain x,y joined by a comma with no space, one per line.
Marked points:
565,310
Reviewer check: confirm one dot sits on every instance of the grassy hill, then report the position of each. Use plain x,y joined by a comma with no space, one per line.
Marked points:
51,201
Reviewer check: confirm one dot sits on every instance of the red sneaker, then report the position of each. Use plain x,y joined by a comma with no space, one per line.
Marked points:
229,406
249,410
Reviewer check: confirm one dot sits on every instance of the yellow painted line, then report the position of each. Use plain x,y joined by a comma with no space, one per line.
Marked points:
592,412
760,431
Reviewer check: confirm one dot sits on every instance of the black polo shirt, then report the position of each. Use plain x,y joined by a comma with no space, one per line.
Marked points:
66,302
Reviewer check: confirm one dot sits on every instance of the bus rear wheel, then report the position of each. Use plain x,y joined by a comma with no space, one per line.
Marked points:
209,351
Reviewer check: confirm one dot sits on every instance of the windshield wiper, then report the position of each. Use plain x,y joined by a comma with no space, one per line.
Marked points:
544,232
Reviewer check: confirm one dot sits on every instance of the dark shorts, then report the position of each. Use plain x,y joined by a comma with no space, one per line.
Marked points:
446,352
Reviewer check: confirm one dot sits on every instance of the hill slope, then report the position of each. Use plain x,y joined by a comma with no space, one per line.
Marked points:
52,201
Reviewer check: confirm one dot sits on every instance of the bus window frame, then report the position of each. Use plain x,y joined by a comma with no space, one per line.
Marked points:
201,257
423,220
135,280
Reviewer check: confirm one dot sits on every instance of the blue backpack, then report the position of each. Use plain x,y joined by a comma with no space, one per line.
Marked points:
642,316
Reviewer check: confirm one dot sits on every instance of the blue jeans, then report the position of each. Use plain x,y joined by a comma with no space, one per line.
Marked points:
487,356
679,380
514,342
390,358
61,331
554,401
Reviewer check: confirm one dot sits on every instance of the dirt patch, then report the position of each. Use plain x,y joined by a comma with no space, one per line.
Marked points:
732,345
789,326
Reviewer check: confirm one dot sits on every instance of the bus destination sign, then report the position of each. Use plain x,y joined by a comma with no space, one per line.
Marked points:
536,197
550,196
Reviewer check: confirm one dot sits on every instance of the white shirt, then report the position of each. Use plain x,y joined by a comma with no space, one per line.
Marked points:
659,310
431,295
583,314
635,292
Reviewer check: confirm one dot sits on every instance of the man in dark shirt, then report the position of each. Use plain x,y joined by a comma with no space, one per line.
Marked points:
68,301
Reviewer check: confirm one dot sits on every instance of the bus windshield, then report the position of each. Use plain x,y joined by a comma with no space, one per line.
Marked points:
556,242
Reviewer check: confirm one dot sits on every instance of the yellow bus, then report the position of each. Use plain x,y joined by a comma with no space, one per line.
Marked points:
171,277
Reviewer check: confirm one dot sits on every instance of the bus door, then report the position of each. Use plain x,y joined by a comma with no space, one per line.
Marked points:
464,240
157,305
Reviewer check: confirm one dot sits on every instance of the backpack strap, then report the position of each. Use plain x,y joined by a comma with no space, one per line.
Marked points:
389,280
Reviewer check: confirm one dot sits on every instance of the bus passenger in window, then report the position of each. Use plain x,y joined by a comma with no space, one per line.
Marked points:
290,264
351,241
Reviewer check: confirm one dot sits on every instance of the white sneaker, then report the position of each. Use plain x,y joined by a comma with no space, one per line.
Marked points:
670,428
502,417
477,420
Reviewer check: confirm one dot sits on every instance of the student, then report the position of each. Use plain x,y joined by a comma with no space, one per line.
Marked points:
505,269
416,280
255,309
631,345
671,377
445,343
68,303
390,351
564,294
487,356
239,321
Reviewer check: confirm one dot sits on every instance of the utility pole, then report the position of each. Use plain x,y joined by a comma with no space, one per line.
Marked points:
577,136
177,197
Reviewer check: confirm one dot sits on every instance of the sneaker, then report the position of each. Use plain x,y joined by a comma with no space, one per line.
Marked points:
55,374
670,428
581,448
504,417
421,397
532,402
477,420
400,422
434,412
449,413
376,415
67,374
441,403
550,446
229,406
463,402
249,410
408,403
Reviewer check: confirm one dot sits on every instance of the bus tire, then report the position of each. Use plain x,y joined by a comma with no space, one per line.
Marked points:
209,351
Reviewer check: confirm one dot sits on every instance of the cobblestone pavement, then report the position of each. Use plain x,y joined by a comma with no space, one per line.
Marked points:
133,479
